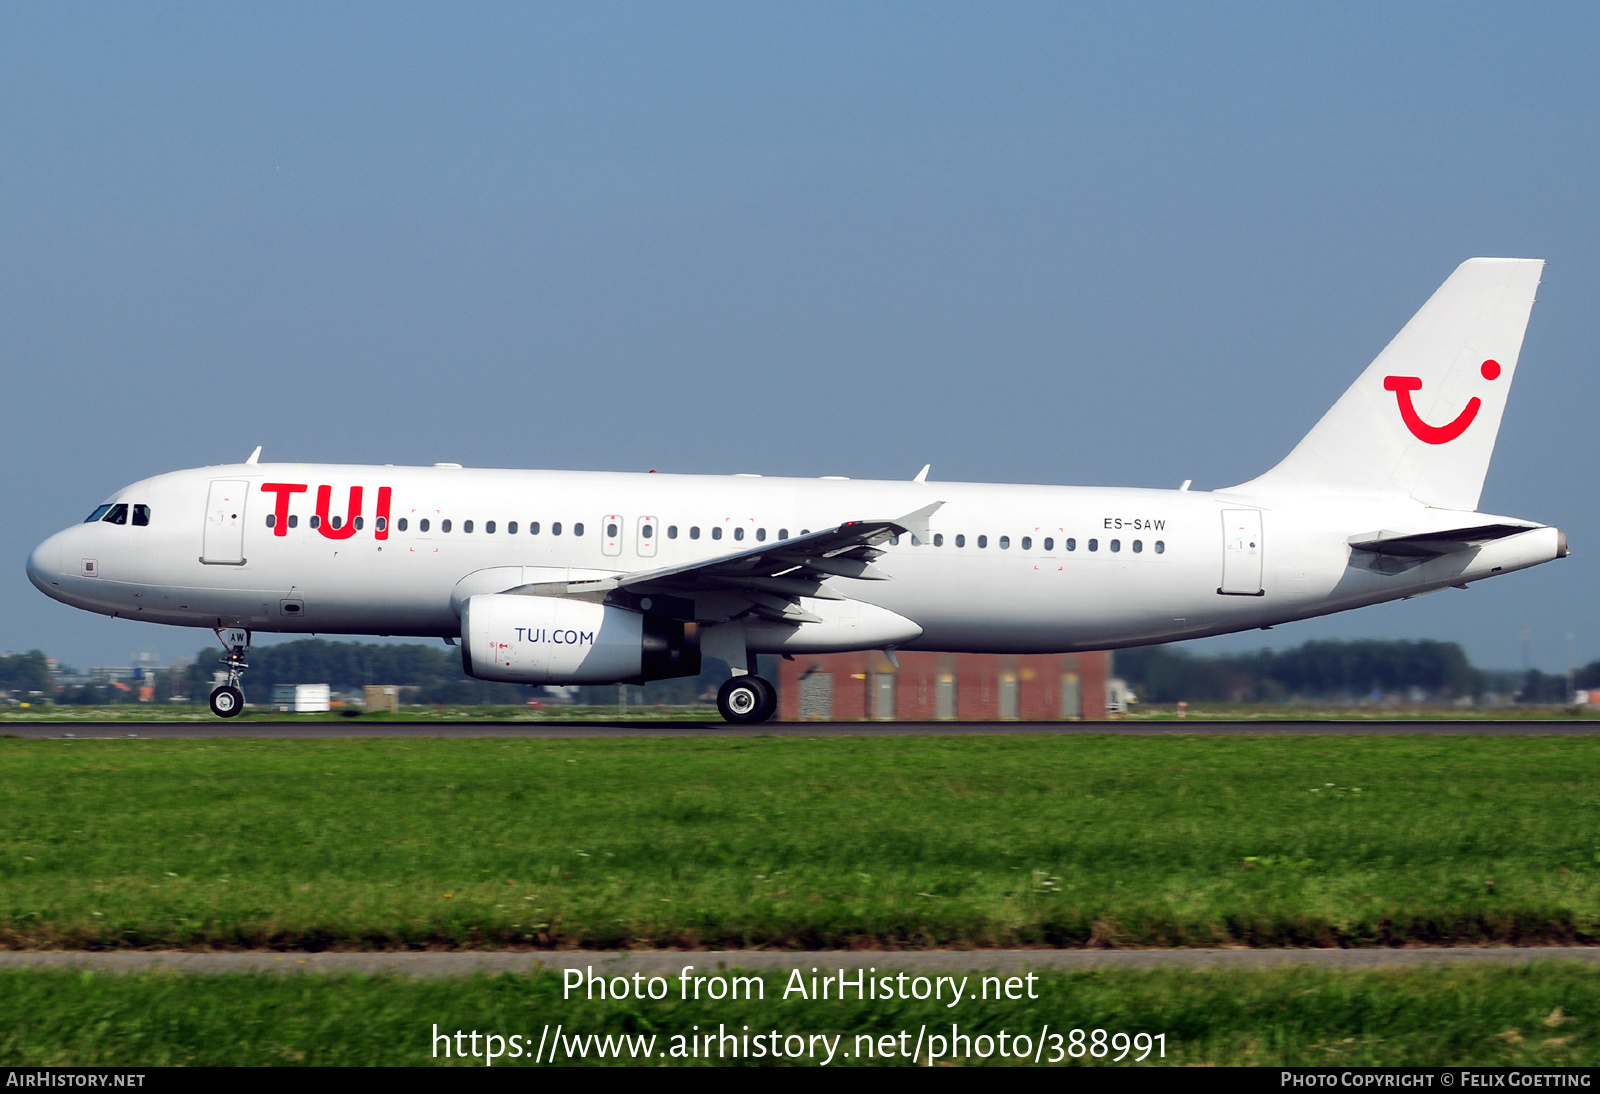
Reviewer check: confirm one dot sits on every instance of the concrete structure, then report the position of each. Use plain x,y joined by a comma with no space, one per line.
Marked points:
381,697
968,687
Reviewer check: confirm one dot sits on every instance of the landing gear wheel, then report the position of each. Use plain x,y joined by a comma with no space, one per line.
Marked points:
227,701
744,700
769,705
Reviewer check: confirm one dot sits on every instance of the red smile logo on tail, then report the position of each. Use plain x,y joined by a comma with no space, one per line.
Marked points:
1403,386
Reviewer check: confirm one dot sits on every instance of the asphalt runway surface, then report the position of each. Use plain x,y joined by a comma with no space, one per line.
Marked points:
827,962
355,727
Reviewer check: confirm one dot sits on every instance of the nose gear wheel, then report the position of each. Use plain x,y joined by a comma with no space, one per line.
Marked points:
226,701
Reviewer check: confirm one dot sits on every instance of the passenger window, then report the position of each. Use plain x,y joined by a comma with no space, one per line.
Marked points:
336,522
938,539
915,542
1072,544
894,541
611,531
1094,545
466,527
1116,545
805,531
694,531
783,533
141,516
316,521
983,541
1161,547
511,527
488,528
716,533
360,523
424,525
555,528
1138,545
383,524
1049,544
1027,543
645,531
444,526
118,514
99,512
577,529
1005,543
533,527
272,520
401,524
672,531
738,533
761,535
294,520
961,541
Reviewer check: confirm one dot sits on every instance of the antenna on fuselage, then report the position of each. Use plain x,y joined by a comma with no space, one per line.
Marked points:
254,456
922,476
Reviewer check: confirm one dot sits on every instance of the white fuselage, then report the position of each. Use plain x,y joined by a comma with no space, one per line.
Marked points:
1005,568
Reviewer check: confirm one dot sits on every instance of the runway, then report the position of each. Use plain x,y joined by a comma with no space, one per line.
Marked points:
355,728
711,962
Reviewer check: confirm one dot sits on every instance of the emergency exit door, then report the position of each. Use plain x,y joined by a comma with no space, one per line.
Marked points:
1241,553
224,532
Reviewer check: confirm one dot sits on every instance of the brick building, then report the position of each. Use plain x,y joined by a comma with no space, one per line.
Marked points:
976,687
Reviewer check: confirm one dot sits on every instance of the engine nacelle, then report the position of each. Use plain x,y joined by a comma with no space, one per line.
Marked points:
548,640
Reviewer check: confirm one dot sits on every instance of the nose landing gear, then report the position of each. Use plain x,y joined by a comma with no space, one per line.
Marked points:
227,700
747,699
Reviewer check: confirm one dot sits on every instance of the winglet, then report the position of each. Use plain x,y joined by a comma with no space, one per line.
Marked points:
922,476
917,523
254,456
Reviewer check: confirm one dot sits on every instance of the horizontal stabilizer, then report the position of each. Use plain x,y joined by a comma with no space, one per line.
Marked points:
1435,544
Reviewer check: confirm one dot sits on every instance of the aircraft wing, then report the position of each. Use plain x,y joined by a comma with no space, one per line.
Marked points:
769,578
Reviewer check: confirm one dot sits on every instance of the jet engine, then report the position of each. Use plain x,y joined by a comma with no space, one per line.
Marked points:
548,640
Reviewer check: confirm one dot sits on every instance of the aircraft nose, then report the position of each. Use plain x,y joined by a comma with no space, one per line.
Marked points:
44,564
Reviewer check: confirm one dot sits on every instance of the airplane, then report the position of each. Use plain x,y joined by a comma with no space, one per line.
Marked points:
567,577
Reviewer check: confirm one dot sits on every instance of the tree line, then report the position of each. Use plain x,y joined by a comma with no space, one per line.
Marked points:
26,674
1334,670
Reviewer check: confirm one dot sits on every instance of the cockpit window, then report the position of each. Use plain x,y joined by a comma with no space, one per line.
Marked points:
97,514
141,516
118,514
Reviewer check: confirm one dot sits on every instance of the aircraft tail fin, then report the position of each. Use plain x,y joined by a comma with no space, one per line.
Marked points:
1422,419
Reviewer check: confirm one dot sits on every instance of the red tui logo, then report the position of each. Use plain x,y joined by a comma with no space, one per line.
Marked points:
1403,386
329,524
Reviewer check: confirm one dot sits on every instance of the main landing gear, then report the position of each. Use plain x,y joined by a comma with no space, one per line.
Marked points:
747,699
227,700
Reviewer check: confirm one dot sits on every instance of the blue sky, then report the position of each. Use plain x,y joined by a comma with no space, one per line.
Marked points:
1128,244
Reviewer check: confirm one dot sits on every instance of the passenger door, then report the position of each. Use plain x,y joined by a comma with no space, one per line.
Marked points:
1241,553
224,530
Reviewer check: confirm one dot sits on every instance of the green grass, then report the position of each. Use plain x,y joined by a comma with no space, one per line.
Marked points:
795,842
1534,1015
